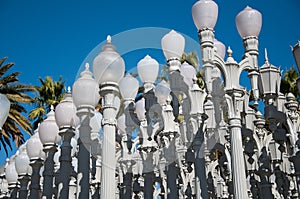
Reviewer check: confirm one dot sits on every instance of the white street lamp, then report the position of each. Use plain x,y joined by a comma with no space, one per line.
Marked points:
35,152
108,68
188,72
48,133
162,92
48,130
148,71
249,22
4,107
173,45
270,77
205,14
129,87
12,177
23,169
220,48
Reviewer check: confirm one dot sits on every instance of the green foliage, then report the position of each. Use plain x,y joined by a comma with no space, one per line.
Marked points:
17,95
49,93
289,82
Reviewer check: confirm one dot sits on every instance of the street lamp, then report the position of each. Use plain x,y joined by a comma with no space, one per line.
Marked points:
48,133
4,107
148,71
66,121
108,69
12,178
36,155
23,169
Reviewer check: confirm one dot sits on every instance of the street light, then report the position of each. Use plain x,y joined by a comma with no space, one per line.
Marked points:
4,107
67,121
23,169
108,69
148,71
48,133
36,155
12,178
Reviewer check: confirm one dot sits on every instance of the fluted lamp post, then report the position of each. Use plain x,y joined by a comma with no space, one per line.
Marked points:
35,152
205,15
249,23
48,133
128,89
108,69
12,178
86,96
4,107
23,169
66,120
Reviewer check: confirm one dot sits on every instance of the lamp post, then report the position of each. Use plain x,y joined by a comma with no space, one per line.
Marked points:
35,152
12,178
66,120
23,169
148,71
4,107
48,133
108,68
86,96
128,89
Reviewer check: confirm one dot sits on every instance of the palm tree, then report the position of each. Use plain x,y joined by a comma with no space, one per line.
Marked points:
16,93
49,93
289,82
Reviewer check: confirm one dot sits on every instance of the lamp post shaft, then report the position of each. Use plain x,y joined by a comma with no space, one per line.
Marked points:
23,192
65,163
35,188
237,158
108,187
48,172
83,175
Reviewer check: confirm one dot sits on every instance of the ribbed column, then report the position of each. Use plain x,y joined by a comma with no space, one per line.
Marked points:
65,159
35,188
13,189
84,142
200,170
108,187
23,191
237,160
48,173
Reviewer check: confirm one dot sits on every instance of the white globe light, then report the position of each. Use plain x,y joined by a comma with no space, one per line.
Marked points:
85,90
108,66
4,107
162,92
129,87
188,72
173,45
10,172
48,130
205,14
221,49
121,124
249,22
140,109
34,147
22,162
65,112
148,69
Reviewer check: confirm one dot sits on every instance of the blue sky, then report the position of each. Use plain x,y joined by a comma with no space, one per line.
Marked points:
53,38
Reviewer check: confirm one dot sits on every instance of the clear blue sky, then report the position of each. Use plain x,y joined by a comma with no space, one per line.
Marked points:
54,37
